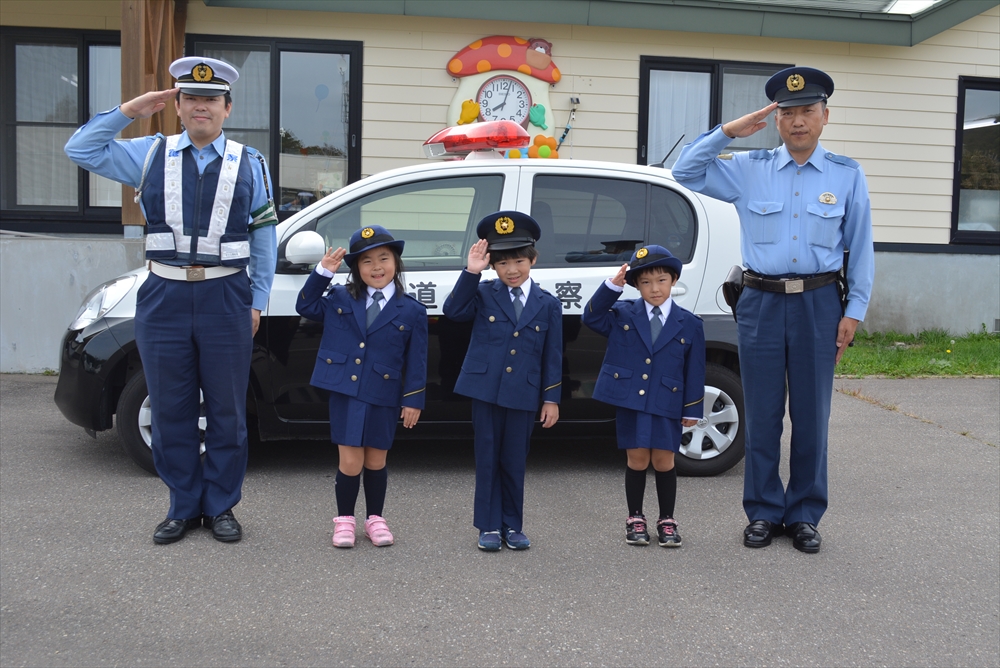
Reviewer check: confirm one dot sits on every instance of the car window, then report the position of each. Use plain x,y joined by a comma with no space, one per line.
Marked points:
672,223
588,219
436,218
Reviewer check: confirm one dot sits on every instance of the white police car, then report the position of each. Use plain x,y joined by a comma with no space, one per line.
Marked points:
592,215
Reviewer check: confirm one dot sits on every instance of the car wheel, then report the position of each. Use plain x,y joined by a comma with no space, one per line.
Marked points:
134,420
715,444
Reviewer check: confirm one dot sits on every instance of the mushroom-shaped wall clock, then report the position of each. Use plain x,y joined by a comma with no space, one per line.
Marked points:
508,77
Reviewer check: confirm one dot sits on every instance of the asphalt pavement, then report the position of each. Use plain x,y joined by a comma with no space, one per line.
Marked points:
908,573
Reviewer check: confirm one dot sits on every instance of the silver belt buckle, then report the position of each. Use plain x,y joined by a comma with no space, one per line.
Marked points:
793,287
198,274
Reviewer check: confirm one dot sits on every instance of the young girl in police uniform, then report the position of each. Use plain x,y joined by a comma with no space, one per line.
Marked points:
654,372
373,360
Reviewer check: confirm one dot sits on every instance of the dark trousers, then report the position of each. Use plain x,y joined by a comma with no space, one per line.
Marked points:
191,336
503,436
787,339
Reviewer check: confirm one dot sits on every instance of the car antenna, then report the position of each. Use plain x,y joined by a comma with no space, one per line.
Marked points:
660,163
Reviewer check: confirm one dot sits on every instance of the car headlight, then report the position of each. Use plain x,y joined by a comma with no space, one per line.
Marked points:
102,299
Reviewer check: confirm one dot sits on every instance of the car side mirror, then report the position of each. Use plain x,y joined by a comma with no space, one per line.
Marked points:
305,248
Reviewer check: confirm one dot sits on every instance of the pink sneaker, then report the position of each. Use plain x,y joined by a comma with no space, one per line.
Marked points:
343,531
377,531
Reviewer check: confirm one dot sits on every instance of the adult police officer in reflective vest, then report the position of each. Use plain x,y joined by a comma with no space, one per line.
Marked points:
800,207
210,246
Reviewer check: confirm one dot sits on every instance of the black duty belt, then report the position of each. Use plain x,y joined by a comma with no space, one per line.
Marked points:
789,286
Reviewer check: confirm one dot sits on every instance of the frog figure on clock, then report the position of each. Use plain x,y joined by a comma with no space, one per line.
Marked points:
507,78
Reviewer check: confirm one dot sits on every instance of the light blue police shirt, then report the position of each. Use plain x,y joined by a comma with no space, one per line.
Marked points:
793,219
95,148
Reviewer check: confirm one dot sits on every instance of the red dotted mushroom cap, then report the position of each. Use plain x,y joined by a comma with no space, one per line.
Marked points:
499,52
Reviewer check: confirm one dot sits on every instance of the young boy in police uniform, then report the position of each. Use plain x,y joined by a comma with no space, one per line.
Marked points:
513,363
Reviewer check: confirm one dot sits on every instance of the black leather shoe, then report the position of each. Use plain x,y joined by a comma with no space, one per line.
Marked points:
805,537
224,527
171,531
760,532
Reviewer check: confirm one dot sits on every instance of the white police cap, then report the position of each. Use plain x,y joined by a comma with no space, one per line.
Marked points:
207,77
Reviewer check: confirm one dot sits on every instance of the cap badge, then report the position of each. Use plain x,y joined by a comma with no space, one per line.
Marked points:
641,253
828,198
795,83
504,225
202,73
367,233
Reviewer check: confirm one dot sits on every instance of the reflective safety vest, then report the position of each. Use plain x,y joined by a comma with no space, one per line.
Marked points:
193,218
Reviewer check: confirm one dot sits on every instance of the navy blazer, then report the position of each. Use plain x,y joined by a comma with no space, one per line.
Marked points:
511,363
369,364
665,378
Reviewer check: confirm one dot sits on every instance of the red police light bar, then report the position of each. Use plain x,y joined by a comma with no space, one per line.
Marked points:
499,135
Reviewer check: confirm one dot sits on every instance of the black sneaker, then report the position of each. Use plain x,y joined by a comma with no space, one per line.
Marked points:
635,530
666,531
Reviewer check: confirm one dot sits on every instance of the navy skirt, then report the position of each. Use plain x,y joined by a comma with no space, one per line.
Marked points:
357,423
637,429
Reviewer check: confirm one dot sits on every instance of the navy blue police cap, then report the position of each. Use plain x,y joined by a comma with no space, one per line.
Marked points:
798,86
368,238
505,230
651,256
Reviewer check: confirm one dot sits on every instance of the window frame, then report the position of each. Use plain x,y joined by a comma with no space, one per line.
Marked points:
714,68
967,237
84,218
355,49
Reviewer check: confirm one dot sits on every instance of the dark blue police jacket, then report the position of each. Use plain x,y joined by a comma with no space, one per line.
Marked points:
665,378
385,365
511,363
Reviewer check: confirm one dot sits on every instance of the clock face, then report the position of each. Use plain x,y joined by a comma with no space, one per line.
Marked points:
504,98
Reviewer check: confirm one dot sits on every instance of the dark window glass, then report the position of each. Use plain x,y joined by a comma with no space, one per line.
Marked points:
672,223
976,209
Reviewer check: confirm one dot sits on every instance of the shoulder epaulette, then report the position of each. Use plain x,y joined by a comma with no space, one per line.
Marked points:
761,154
842,160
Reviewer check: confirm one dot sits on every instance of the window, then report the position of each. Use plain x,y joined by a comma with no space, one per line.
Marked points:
299,103
679,99
976,198
590,220
58,80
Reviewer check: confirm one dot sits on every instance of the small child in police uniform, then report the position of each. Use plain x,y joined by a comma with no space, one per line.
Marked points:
514,363
654,372
373,360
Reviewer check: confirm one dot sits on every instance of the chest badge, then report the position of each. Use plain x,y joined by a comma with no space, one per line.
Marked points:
828,198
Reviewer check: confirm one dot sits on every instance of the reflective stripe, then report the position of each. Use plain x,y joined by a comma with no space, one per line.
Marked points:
234,250
173,197
209,245
160,242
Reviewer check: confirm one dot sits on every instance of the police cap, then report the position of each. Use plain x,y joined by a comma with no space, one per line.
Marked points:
505,230
798,86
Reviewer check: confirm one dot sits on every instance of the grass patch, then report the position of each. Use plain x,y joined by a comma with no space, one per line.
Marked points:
930,353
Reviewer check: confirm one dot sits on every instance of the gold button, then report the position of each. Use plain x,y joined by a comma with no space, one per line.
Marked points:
357,361
362,344
626,328
354,377
642,392
386,376
513,352
509,369
329,361
674,389
648,361
401,328
492,318
515,334
340,310
537,328
616,375
645,376
682,340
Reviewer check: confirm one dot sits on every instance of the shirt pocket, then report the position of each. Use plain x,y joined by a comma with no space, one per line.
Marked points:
626,334
339,316
764,223
617,380
824,223
399,333
330,366
491,326
531,337
388,376
670,398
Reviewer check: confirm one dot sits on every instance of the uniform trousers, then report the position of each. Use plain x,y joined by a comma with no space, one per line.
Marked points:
503,436
787,341
191,336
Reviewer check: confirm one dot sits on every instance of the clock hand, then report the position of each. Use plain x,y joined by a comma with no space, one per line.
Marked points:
504,103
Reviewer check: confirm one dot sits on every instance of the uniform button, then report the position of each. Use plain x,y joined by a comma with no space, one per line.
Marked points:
798,171
673,389
824,213
357,361
401,328
682,340
515,334
794,260
513,352
795,216
764,209
537,328
795,237
362,344
509,369
648,361
645,376
626,328
386,376
616,375
340,310
329,361
354,377
642,392
796,194
492,318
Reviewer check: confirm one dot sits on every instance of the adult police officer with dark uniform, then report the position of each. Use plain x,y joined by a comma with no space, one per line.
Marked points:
800,207
210,246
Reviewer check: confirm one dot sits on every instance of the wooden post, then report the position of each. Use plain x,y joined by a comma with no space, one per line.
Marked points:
152,38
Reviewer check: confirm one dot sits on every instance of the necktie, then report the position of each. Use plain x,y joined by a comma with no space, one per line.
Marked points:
374,309
654,324
518,306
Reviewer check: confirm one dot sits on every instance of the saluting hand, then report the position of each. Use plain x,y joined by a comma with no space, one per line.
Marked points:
619,278
331,260
149,103
750,124
479,259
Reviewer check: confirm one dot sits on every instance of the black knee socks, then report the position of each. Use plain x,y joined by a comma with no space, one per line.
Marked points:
666,491
347,487
635,488
375,483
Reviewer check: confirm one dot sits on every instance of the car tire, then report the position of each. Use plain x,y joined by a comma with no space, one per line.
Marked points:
716,443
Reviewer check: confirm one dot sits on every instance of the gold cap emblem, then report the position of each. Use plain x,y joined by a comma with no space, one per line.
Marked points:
202,73
504,225
367,233
641,253
795,82
828,198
